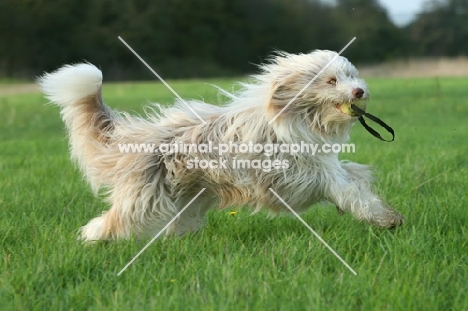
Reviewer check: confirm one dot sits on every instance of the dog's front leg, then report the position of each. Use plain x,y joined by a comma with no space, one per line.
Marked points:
351,191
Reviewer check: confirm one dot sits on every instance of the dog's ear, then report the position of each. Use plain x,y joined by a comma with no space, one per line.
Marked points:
282,91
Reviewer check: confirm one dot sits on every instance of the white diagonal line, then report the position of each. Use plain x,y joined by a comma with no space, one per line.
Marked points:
315,233
311,81
162,80
159,233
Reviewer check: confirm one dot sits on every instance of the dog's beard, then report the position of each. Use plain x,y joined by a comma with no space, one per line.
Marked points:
309,118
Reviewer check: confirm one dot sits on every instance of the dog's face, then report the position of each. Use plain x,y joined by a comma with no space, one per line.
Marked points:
336,84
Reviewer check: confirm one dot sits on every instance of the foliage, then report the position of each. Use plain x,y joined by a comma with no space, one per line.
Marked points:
200,38
179,38
441,30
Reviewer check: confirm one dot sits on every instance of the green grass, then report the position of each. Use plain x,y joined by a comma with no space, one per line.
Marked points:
244,262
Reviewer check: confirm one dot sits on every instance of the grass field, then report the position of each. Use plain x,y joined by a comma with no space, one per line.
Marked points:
243,262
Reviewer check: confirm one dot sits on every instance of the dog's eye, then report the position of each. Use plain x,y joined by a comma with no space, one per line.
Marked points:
332,81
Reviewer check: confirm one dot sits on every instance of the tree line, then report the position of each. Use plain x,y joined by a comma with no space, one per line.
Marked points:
201,38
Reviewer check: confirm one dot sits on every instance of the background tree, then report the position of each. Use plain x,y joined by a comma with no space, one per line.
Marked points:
441,29
378,38
200,38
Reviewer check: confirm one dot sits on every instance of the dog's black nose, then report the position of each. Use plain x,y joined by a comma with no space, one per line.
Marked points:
358,92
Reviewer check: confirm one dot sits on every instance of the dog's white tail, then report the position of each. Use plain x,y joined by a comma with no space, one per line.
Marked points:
71,83
76,89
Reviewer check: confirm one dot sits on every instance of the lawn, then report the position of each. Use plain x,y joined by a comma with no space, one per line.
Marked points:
243,261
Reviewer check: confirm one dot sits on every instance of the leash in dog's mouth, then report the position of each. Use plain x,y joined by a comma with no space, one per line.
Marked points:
361,113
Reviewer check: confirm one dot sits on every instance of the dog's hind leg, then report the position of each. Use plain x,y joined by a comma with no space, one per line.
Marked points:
109,226
122,223
115,224
192,219
141,205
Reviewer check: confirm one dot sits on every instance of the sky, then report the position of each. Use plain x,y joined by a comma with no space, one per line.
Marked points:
402,12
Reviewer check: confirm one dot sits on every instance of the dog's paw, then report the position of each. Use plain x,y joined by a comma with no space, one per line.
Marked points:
92,232
398,220
393,220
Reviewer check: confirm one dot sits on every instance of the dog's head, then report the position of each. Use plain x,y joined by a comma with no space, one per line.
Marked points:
322,104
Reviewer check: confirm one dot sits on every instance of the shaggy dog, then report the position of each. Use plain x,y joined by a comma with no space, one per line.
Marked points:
147,189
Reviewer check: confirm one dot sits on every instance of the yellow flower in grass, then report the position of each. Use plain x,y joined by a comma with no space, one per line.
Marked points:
233,213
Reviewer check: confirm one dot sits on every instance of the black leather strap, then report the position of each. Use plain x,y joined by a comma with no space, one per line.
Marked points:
376,120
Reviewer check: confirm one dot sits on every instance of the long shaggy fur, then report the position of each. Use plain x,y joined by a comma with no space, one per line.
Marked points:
146,190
